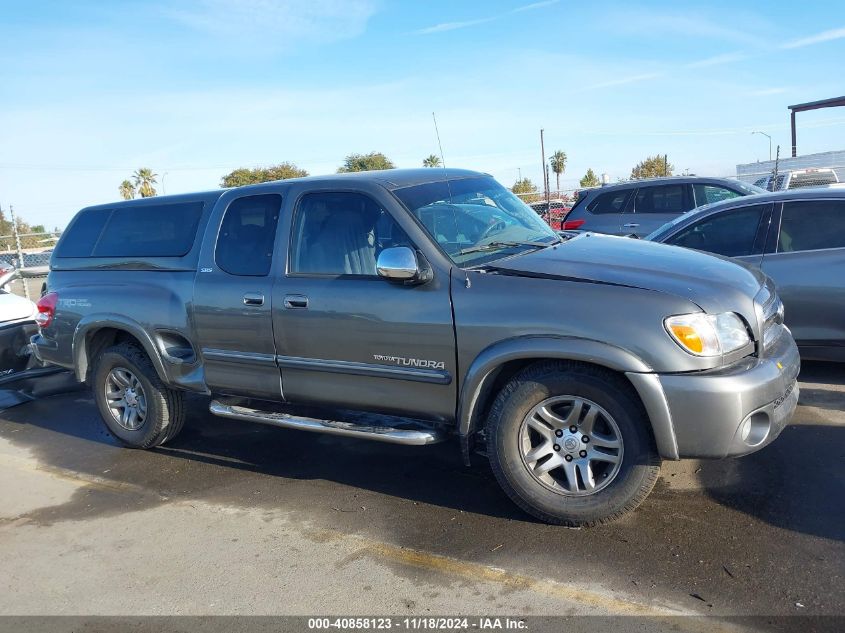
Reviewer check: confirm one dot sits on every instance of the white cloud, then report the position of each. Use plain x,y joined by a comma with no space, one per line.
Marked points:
766,92
535,5
620,81
653,24
276,23
724,58
818,38
453,26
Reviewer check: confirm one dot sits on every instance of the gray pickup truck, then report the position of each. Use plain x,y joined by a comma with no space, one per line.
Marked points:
410,306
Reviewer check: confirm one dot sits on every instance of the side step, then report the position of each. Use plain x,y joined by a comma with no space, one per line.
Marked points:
412,437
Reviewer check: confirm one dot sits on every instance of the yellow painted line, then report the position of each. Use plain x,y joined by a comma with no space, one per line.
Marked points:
513,581
605,603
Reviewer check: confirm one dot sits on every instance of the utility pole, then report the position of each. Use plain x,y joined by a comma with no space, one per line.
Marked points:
665,164
18,246
774,182
545,172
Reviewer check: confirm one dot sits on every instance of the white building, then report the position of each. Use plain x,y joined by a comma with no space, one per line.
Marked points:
754,171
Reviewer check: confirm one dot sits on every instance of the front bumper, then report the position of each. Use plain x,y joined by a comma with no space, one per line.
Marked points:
693,415
735,410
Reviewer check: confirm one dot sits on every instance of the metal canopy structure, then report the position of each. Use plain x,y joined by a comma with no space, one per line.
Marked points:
811,105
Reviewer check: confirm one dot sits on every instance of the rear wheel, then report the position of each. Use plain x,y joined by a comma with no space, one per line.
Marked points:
136,406
570,444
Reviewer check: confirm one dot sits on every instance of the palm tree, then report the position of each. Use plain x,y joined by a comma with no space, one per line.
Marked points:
144,181
432,161
127,190
558,161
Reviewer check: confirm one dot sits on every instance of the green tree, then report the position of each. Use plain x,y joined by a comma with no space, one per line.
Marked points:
5,225
433,160
244,176
526,190
365,162
127,190
590,179
652,167
144,179
558,163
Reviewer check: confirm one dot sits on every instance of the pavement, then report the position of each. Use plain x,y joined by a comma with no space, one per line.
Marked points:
234,518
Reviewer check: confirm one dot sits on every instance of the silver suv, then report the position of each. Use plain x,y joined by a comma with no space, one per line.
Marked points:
642,206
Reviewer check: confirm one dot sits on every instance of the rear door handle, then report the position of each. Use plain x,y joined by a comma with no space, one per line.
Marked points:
630,226
253,299
293,302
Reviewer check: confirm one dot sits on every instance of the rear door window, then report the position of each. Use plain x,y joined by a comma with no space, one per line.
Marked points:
811,225
731,233
662,199
707,194
610,202
247,235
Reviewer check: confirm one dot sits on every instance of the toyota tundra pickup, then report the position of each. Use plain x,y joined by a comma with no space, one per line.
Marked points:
414,306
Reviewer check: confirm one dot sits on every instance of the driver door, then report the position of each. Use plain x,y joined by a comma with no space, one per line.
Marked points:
346,337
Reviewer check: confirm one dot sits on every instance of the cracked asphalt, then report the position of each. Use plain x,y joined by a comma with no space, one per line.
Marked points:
237,518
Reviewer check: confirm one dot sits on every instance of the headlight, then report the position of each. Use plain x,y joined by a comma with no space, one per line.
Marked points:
708,334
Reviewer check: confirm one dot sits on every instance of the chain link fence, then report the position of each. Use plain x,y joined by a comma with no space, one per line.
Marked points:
802,171
30,253
555,211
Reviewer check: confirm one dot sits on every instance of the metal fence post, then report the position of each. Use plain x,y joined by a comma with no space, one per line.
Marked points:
20,250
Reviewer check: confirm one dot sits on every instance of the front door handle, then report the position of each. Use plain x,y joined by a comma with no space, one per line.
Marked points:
632,225
293,302
253,299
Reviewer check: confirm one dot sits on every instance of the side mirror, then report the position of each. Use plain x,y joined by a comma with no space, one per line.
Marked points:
401,263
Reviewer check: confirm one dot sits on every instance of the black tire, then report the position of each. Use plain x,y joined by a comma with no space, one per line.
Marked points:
637,472
165,408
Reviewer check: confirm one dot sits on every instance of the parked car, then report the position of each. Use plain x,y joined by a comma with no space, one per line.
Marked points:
799,179
798,239
437,309
17,326
642,206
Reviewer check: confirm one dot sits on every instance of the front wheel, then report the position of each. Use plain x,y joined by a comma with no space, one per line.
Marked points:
570,444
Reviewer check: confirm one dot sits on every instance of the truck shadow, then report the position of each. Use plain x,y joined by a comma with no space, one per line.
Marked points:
265,458
796,483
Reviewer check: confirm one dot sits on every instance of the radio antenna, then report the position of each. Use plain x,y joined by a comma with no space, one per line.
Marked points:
442,157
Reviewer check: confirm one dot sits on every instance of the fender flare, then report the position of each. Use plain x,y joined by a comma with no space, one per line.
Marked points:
482,373
93,322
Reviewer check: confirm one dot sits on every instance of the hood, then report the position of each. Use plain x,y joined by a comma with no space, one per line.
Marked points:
713,283
15,308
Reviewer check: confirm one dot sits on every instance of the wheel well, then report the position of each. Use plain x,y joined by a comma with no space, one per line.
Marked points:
505,372
100,340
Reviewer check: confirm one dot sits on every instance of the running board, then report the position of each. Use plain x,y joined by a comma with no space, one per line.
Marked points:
412,437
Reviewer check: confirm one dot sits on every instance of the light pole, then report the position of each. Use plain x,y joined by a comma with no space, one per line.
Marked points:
770,142
163,189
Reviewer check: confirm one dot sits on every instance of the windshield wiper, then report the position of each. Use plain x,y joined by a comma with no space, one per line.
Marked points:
504,244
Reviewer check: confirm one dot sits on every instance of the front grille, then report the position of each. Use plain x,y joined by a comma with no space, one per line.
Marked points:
772,318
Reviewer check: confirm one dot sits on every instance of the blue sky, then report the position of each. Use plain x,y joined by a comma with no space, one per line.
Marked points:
91,90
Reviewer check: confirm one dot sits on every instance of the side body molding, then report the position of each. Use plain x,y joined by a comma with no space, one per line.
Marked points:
119,322
481,376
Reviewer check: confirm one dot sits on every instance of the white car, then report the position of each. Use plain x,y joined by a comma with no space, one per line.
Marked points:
17,324
800,178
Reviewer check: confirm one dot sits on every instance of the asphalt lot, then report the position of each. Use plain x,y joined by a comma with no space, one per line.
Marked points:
236,518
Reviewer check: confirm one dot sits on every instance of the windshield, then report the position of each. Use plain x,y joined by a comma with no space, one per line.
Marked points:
476,220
